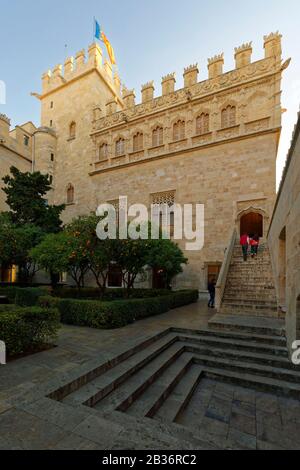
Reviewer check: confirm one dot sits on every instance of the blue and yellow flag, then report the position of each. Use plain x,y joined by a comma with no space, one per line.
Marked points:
97,30
99,34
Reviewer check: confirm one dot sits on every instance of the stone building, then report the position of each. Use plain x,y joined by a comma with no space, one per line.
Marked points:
213,142
284,240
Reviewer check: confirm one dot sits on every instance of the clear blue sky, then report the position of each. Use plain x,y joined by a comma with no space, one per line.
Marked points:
151,38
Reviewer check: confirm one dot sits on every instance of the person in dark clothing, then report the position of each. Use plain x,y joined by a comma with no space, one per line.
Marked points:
244,242
212,293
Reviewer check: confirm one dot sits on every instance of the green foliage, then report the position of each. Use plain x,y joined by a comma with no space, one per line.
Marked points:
28,297
110,293
9,292
25,329
116,314
167,257
25,195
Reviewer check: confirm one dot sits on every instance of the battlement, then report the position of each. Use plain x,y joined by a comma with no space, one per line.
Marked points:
193,89
83,63
4,118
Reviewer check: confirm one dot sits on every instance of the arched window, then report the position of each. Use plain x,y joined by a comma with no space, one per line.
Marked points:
202,124
70,194
138,142
103,152
179,130
157,137
120,147
228,118
72,130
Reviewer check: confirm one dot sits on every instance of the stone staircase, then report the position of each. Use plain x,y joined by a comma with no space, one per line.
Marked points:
164,391
250,288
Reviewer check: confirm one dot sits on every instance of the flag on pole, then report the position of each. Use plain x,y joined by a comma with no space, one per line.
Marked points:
109,48
97,30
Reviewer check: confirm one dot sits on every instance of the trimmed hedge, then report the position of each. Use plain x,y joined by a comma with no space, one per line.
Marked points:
28,297
9,292
109,315
25,329
89,293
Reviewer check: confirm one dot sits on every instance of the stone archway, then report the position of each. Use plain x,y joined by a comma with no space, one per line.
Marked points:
252,221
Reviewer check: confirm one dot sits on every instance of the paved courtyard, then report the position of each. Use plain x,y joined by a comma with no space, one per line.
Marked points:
217,415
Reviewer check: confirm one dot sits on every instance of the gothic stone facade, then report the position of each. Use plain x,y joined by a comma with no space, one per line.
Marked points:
213,142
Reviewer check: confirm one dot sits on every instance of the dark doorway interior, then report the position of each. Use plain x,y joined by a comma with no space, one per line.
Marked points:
115,278
158,280
252,224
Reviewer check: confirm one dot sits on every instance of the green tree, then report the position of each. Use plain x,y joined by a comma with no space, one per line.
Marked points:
16,243
25,195
52,255
167,257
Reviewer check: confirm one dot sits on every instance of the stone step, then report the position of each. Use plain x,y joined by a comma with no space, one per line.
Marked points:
247,356
140,380
235,365
248,324
245,312
95,390
252,337
230,343
175,404
246,379
251,300
146,403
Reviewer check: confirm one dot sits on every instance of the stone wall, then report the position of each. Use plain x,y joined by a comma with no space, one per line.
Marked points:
284,240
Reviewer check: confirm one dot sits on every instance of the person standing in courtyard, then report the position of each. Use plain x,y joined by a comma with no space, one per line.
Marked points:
244,242
212,293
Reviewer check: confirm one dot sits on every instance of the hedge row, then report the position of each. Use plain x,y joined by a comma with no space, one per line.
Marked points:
109,315
24,297
89,293
25,329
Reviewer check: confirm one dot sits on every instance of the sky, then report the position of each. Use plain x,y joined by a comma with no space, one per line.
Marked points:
150,38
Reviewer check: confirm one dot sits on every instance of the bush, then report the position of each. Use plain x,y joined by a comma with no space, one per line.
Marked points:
28,297
25,329
118,313
9,292
110,294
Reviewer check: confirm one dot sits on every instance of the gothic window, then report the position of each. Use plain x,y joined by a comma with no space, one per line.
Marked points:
160,200
179,130
103,152
72,130
120,147
26,140
202,124
138,142
228,117
157,137
70,194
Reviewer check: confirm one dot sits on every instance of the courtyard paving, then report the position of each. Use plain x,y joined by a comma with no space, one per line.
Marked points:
221,415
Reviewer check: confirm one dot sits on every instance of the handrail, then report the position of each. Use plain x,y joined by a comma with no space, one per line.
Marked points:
221,284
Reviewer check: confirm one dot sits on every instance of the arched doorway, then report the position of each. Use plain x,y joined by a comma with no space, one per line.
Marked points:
252,223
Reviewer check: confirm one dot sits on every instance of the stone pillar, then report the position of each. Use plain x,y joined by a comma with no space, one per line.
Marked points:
215,66
243,55
168,84
147,92
190,75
